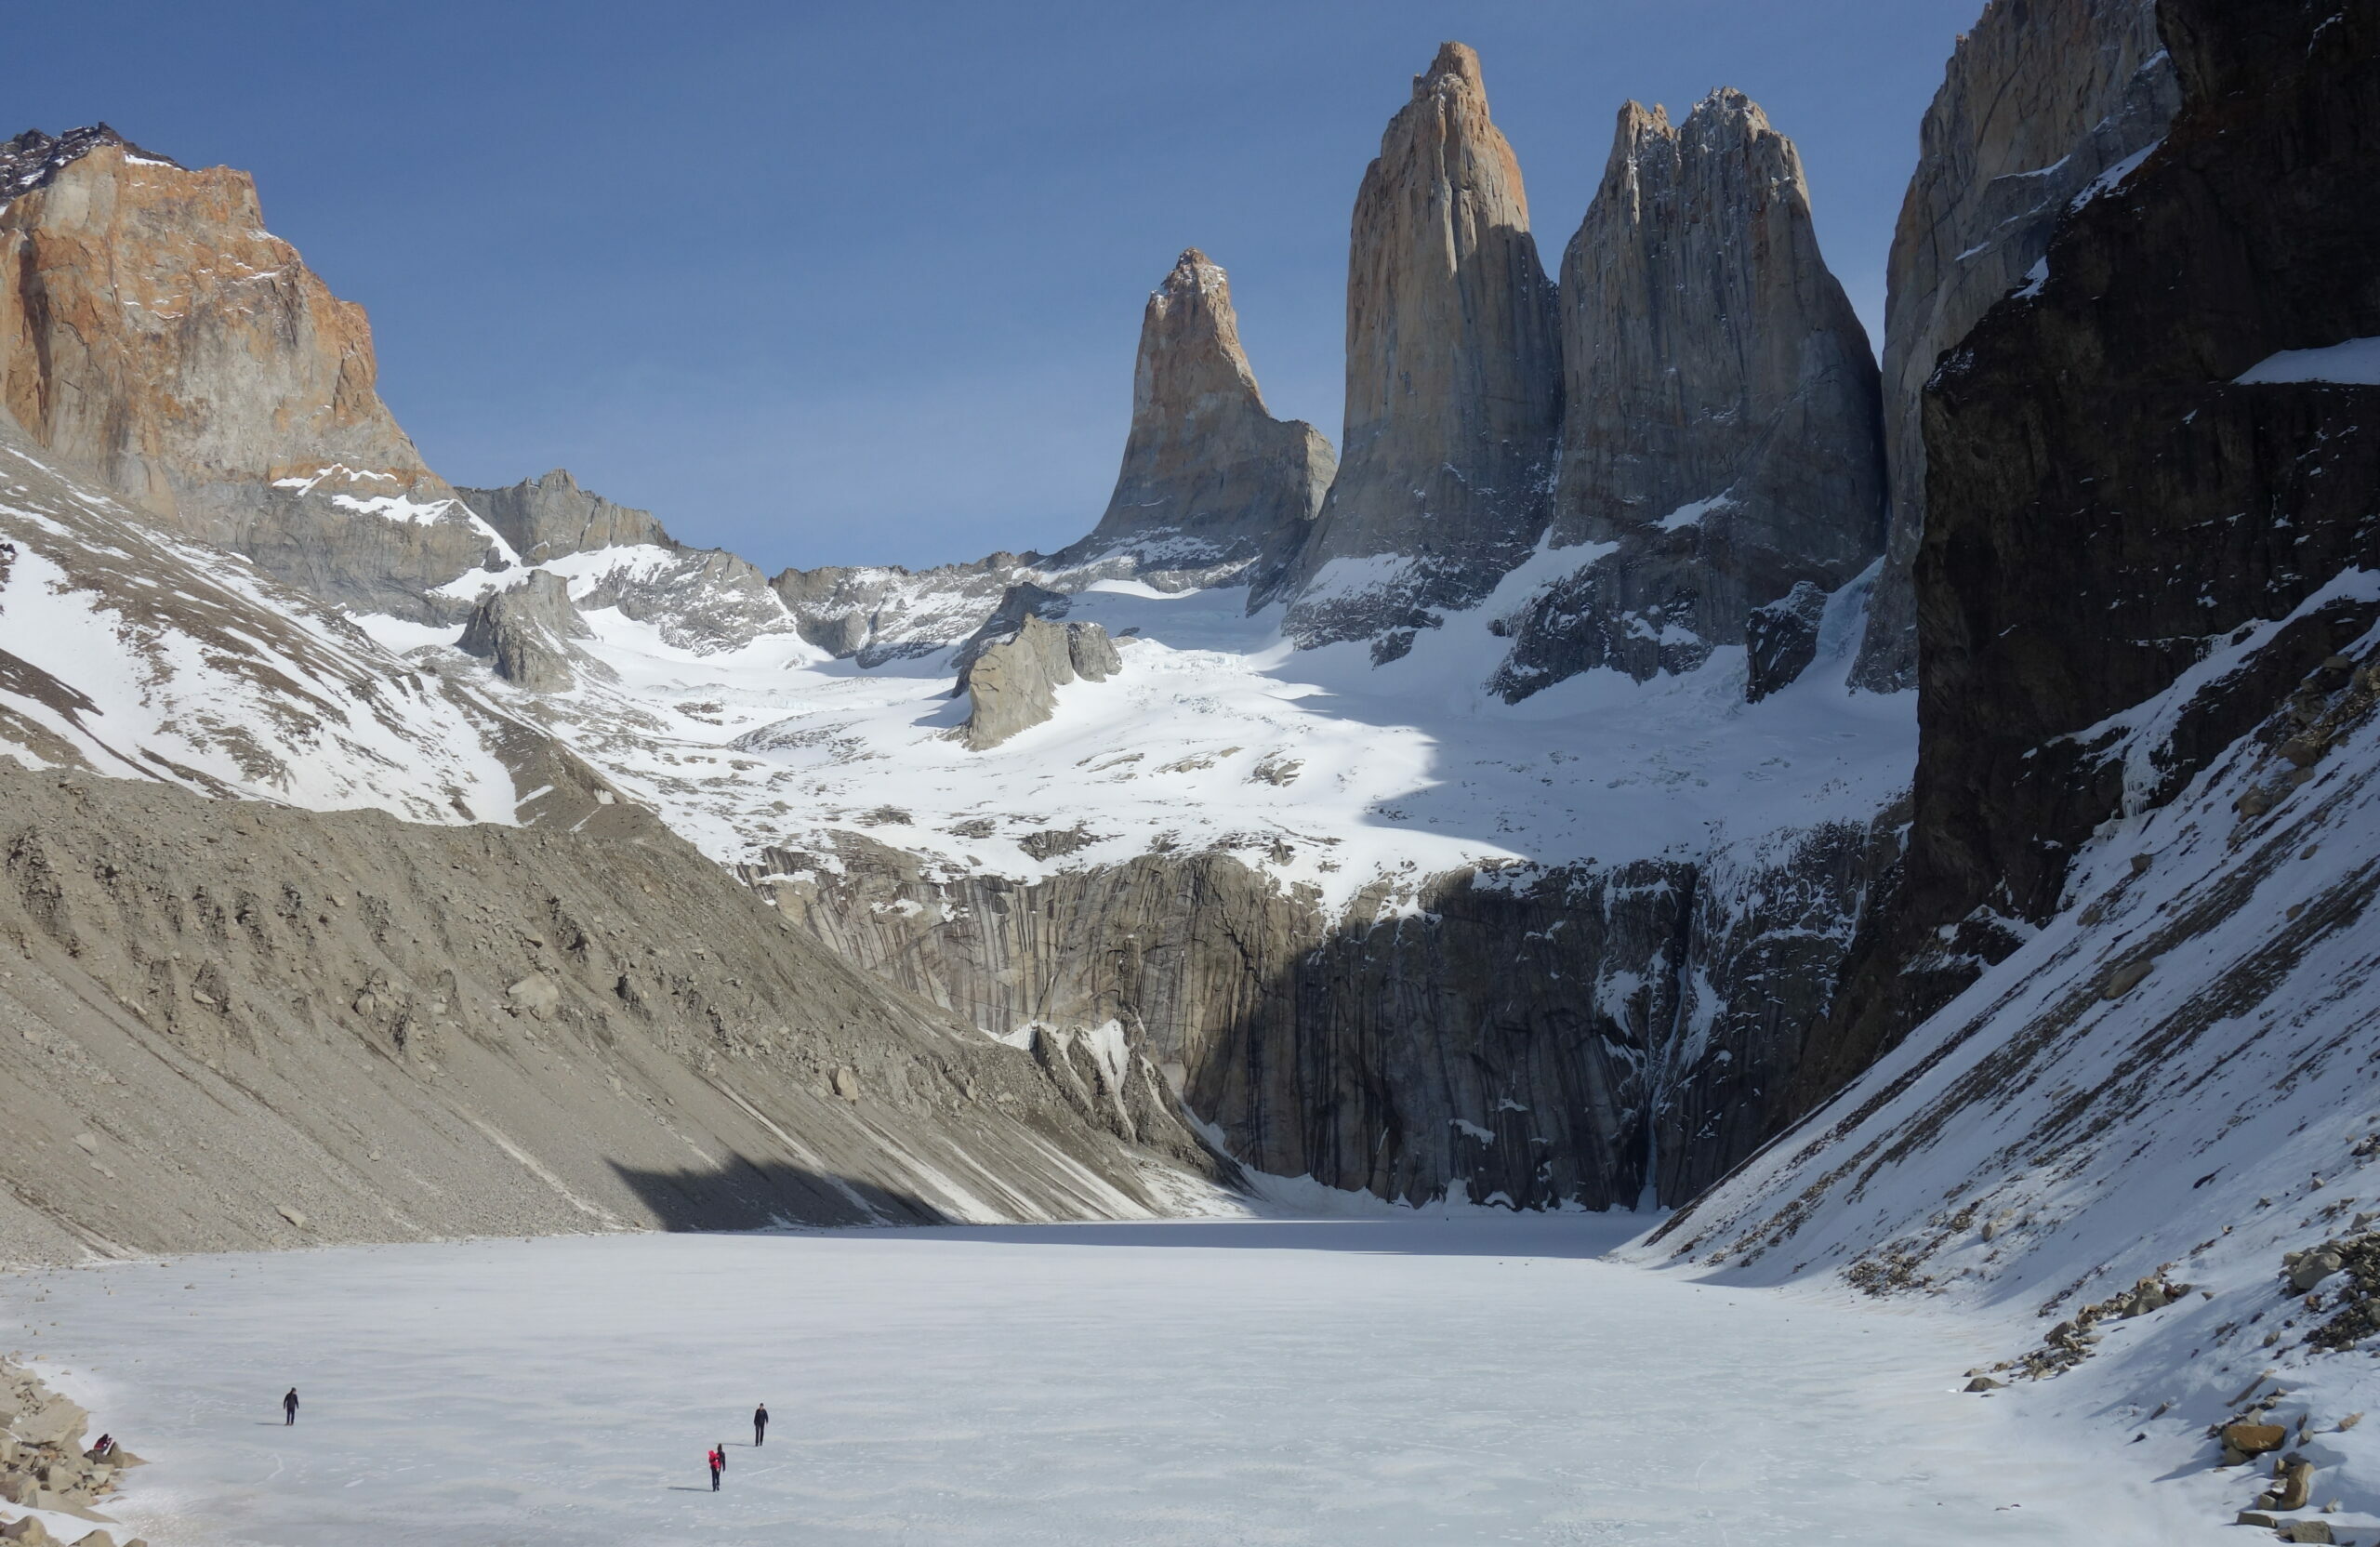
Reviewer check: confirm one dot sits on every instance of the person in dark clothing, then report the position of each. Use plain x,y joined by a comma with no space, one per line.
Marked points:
289,1408
718,1465
760,1425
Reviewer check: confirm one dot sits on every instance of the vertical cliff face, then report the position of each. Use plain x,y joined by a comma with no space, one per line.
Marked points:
2040,100
1453,376
1720,423
2149,520
1210,478
1554,1036
153,332
549,517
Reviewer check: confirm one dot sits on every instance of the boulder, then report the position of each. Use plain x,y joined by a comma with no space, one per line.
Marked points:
2309,1531
2125,976
536,995
2309,1268
2255,1439
2293,1482
27,1532
1985,1382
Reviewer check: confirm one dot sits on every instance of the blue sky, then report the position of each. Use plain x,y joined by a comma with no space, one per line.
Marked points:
861,282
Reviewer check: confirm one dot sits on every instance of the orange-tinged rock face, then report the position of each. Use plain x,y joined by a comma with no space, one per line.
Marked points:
157,337
153,331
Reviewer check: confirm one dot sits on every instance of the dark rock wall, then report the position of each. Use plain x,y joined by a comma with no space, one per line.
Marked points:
1546,1035
2105,504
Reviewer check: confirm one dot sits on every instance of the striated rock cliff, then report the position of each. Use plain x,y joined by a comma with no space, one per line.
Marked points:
1571,1035
2210,540
2038,101
1209,477
1454,376
153,332
547,517
1720,434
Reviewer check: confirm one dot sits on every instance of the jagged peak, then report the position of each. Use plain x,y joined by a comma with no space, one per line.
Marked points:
1724,122
33,159
1457,65
1194,271
1728,109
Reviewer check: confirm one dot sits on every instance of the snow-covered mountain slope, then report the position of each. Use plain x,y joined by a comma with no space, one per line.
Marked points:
2172,1081
134,654
2138,1129
1314,766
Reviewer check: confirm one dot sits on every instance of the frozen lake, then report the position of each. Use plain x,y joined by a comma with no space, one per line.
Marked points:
1471,1378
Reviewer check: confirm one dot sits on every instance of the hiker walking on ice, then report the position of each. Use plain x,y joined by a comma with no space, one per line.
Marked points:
718,1465
760,1425
289,1408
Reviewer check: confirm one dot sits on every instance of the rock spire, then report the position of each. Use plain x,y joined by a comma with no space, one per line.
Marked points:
1719,420
1453,377
1209,477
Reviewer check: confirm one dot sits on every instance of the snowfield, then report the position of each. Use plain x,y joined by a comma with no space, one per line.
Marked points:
1453,1377
1315,765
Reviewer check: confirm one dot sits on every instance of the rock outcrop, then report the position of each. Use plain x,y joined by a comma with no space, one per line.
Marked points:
2038,100
231,1026
153,332
1013,684
547,517
1454,377
525,630
1209,477
1721,439
703,600
2110,504
886,612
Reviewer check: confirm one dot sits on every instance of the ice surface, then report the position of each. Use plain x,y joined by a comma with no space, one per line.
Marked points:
1472,1378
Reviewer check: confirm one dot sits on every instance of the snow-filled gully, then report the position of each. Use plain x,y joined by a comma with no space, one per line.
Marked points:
1452,1377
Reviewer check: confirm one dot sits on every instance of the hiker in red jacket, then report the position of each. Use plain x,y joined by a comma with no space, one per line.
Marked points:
718,1465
